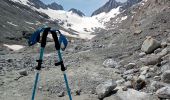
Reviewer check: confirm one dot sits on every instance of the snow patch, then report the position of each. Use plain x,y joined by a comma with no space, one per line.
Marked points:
24,2
14,47
12,24
29,23
105,17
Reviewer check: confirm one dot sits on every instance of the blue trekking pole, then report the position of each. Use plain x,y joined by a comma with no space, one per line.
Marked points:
38,72
62,39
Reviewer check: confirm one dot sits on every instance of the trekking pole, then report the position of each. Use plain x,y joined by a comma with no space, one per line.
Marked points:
38,68
65,76
63,40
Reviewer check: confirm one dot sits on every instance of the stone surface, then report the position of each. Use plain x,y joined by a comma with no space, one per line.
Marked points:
23,72
110,63
105,88
155,85
165,67
166,76
150,44
130,66
151,60
131,94
142,54
163,93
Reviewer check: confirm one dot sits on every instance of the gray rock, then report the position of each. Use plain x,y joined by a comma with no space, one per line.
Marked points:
105,88
164,44
142,77
128,84
129,77
131,94
163,53
144,68
165,67
157,78
155,85
157,50
166,76
77,91
163,93
131,71
119,82
61,94
130,66
23,72
142,54
150,44
151,60
168,39
110,63
148,75
144,72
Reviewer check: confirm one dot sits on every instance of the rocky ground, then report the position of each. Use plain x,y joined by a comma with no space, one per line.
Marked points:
128,62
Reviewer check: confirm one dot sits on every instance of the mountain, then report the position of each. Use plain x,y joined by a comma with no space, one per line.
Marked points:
78,12
107,7
55,6
111,4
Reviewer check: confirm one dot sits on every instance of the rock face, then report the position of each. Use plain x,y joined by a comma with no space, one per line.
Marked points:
149,45
163,92
110,63
78,12
111,4
166,76
55,6
105,88
107,7
131,94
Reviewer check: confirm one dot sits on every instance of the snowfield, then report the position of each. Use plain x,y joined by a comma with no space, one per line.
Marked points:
14,47
82,26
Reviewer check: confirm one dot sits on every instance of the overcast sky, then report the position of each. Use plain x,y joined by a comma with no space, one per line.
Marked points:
86,6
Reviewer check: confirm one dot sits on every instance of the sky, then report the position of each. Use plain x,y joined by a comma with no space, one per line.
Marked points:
86,6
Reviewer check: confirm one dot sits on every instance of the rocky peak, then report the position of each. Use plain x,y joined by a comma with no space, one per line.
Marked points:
55,6
111,4
76,11
38,4
107,7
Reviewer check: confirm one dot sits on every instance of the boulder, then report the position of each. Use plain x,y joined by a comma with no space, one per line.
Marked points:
130,66
166,76
150,44
163,53
165,67
105,88
155,85
110,63
151,60
130,71
163,93
142,54
23,72
131,94
138,31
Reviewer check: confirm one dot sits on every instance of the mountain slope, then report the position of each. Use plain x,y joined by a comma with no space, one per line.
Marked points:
112,4
107,7
78,12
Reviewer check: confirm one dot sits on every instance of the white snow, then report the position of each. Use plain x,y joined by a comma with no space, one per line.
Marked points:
83,26
24,2
105,17
76,22
14,47
12,24
29,22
